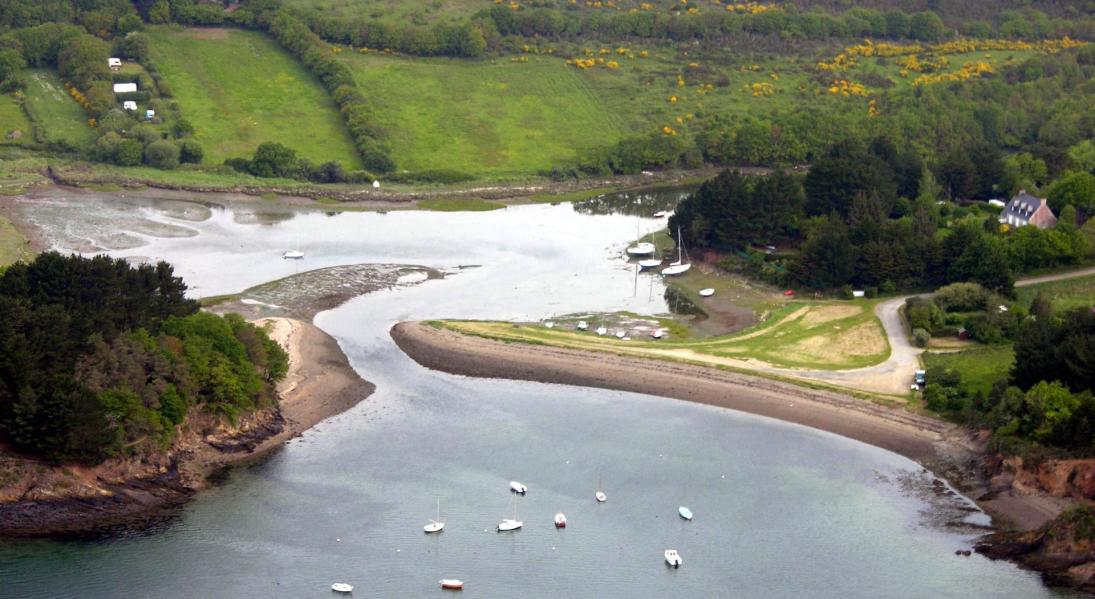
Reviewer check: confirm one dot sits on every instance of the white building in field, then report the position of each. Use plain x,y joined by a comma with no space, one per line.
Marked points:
129,105
114,63
125,88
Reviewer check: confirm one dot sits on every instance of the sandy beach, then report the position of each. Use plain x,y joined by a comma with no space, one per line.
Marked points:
943,448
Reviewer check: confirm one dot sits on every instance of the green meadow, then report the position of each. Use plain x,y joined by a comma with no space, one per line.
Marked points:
395,11
57,116
239,89
12,118
492,118
1065,294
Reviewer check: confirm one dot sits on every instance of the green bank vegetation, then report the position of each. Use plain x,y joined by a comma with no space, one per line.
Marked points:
821,335
99,359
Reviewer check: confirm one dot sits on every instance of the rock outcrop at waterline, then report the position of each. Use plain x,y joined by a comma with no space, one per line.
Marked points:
1063,550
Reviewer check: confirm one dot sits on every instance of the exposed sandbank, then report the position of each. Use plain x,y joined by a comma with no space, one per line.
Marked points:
941,447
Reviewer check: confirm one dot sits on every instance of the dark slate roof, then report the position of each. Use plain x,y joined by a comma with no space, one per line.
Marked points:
1023,204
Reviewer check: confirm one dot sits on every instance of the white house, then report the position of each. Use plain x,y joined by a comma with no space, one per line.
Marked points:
1025,209
129,105
148,114
124,88
114,63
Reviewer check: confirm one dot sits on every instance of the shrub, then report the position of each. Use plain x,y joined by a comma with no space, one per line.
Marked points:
274,160
961,297
182,128
128,153
921,337
162,154
190,152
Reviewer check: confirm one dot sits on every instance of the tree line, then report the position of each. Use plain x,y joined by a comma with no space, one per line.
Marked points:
100,359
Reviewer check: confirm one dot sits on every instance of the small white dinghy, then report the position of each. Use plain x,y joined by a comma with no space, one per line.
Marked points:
293,255
549,325
643,248
685,512
452,584
602,331
601,497
649,263
342,587
657,334
620,334
517,487
676,269
582,325
560,520
661,214
673,558
707,292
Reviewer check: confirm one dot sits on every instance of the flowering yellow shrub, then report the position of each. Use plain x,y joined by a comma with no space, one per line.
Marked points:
846,88
761,89
667,130
970,70
752,8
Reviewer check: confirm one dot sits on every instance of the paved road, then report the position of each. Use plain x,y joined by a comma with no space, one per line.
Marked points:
894,376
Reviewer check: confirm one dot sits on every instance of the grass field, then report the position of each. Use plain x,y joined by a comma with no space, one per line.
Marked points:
12,243
822,335
979,367
396,11
1066,294
57,115
481,117
239,89
12,118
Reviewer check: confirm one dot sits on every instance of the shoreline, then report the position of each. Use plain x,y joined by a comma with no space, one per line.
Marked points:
946,450
68,500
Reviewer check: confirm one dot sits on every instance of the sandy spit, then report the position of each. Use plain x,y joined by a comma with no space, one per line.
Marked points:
948,451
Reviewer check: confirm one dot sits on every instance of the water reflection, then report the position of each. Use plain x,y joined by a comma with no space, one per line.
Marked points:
635,203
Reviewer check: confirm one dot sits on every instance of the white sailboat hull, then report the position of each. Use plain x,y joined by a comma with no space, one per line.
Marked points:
508,524
644,248
677,269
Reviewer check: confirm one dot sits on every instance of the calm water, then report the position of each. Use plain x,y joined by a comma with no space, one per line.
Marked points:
780,510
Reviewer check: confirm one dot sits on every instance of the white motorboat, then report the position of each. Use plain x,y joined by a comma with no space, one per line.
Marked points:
708,292
560,520
293,255
657,334
435,525
582,325
549,324
511,523
517,487
342,587
452,584
602,331
643,248
600,496
649,263
673,558
685,512
661,214
620,334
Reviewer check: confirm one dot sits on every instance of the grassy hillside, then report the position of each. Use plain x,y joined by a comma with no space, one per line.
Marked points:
239,89
483,117
395,11
56,114
13,118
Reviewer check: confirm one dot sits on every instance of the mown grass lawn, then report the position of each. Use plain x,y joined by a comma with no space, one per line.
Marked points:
56,114
239,89
816,335
12,118
979,367
491,118
1066,294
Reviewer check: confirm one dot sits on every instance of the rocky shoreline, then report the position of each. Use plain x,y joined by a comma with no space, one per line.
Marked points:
40,500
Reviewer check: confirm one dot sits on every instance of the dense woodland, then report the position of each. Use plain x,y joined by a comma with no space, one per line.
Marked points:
100,359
